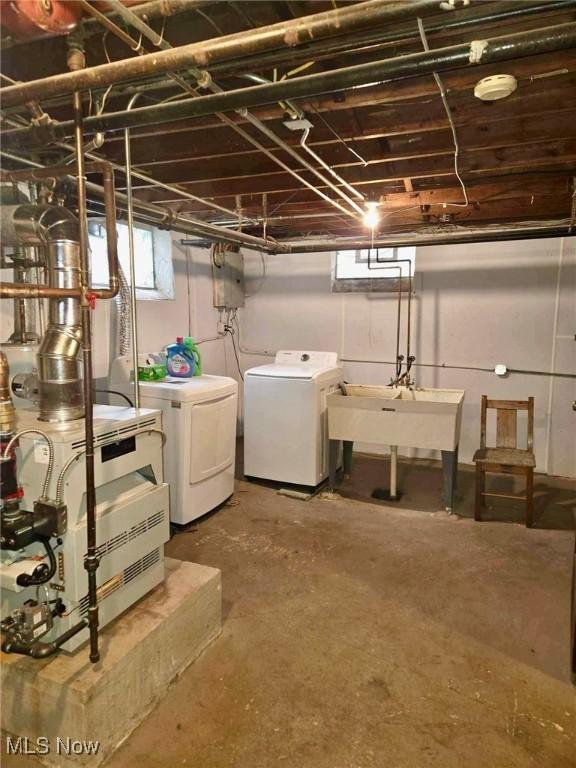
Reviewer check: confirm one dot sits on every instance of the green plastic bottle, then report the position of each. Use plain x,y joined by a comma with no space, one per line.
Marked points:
194,352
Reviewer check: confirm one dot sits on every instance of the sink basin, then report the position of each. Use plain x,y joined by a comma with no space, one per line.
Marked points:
412,418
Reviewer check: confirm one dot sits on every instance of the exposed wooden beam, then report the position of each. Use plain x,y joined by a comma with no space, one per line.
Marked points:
519,132
520,157
530,187
460,85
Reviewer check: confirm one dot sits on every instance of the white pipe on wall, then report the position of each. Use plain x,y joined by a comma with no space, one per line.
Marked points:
553,355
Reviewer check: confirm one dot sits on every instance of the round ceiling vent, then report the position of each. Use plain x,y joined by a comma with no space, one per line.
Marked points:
495,87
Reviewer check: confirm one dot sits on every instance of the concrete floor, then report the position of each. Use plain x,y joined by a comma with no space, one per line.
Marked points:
358,635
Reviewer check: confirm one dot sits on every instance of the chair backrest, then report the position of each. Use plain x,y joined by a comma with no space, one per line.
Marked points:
507,421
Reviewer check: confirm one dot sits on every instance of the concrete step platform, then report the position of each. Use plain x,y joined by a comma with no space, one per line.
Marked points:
62,706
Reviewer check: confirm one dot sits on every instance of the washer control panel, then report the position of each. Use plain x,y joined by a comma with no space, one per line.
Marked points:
306,357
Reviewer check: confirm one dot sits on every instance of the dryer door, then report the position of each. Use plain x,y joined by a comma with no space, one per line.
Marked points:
212,437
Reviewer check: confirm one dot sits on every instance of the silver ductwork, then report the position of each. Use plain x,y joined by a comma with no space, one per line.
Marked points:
56,230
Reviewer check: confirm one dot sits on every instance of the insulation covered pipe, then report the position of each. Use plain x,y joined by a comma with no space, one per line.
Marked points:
474,53
284,34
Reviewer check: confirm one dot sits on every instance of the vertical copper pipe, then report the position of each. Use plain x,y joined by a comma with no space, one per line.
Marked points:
130,212
91,561
111,234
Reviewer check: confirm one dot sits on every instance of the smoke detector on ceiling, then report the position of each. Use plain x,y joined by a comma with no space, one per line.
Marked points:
495,87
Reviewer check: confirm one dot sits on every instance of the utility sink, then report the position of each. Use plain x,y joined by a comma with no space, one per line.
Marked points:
412,418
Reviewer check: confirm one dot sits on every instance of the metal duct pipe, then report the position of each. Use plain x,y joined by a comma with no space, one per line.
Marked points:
475,53
105,168
59,369
56,229
24,313
202,54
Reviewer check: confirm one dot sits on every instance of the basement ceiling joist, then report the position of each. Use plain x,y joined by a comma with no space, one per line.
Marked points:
517,156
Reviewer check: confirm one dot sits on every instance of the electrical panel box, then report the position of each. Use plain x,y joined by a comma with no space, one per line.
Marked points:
228,278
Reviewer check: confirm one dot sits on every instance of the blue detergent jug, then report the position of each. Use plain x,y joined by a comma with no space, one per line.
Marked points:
180,361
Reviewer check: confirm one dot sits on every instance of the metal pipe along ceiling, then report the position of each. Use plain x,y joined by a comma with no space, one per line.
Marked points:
478,52
290,33
487,234
470,235
374,39
156,215
207,83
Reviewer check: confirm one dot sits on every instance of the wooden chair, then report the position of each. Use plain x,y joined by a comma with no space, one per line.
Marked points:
506,458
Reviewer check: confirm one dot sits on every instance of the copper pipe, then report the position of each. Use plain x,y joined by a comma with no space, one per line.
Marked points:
111,235
19,291
130,215
76,61
53,171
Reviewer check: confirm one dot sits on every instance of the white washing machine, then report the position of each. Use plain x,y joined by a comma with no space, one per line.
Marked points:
285,417
199,420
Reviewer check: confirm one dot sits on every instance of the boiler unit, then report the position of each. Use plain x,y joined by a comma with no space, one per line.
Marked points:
42,577
83,504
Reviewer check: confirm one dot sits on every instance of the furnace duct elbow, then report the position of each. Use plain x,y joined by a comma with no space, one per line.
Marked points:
59,369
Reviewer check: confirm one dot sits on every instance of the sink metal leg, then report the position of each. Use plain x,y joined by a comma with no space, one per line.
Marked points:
393,472
391,493
333,453
450,471
455,478
347,448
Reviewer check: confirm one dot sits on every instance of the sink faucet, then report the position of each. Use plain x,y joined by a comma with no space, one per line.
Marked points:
403,379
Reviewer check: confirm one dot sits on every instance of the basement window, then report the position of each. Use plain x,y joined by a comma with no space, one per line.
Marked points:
153,262
374,269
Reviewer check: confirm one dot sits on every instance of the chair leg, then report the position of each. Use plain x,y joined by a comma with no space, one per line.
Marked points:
529,498
479,499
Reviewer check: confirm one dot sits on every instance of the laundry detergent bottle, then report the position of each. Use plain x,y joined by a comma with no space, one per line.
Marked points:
195,352
180,360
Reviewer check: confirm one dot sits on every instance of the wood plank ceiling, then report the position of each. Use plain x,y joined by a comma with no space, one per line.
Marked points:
391,141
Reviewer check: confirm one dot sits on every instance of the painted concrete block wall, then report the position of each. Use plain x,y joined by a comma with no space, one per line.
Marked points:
475,306
159,322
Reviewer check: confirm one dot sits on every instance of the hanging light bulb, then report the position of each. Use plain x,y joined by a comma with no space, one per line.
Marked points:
371,217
